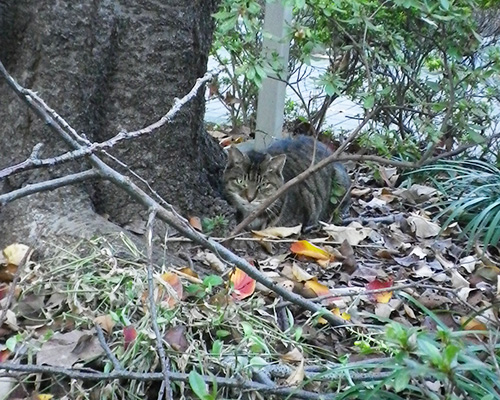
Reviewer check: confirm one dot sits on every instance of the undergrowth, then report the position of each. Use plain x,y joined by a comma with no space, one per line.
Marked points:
225,338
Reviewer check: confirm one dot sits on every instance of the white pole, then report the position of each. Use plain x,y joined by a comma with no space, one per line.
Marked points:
271,100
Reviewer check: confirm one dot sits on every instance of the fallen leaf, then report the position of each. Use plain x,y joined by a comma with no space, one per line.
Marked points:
105,322
296,376
318,288
4,355
15,253
43,396
422,227
304,248
129,335
243,285
195,222
380,297
188,271
295,355
176,338
472,324
300,275
58,350
354,233
278,232
174,292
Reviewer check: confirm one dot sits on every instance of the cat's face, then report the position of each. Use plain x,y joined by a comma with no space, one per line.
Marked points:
250,180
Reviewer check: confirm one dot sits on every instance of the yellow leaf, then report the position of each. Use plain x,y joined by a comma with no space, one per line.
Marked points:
14,253
318,288
44,396
472,324
304,248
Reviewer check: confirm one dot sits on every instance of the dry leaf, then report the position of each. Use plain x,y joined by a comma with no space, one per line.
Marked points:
304,248
300,275
380,297
244,286
173,293
105,322
354,233
472,324
195,222
129,335
297,376
318,288
15,253
176,338
59,351
422,227
295,355
278,232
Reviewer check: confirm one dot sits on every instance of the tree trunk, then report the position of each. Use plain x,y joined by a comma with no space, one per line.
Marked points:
106,66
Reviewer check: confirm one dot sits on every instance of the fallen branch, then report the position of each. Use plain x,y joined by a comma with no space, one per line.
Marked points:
175,376
48,185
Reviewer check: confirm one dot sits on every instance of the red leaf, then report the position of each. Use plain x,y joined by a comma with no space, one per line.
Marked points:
129,335
377,283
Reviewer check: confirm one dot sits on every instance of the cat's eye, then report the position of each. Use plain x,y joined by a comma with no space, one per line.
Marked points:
239,182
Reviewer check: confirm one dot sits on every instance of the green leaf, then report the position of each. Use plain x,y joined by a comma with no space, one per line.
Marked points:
445,4
212,280
258,362
11,343
198,385
217,347
431,351
450,355
369,102
402,380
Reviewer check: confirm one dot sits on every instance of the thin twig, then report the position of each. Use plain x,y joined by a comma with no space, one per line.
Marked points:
107,350
165,385
89,148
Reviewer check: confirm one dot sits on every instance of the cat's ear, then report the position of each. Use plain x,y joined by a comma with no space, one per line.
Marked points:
276,163
235,157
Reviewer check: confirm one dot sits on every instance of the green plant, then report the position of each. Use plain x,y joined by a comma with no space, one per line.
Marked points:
471,197
237,48
206,288
214,225
420,66
199,387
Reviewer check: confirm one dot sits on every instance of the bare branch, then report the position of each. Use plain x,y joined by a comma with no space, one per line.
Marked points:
82,145
107,350
176,376
48,185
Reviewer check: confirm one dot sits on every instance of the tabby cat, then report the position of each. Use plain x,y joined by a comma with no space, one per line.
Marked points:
252,177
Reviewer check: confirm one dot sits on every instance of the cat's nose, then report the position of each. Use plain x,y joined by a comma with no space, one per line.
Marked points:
250,194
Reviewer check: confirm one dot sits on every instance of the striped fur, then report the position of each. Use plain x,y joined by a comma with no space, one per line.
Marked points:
250,178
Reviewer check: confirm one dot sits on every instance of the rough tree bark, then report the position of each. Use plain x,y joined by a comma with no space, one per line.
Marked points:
106,66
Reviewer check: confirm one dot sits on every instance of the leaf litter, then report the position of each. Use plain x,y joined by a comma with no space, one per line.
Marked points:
364,272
